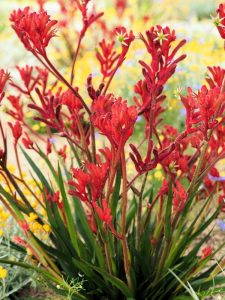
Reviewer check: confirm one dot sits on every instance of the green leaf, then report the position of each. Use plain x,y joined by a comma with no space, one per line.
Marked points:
17,208
187,286
131,213
67,210
168,225
46,274
113,280
86,233
37,171
116,194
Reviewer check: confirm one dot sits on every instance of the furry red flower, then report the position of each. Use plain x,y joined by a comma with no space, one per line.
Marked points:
17,111
124,37
62,152
55,198
71,101
94,177
114,118
215,77
16,131
35,30
86,18
104,213
158,42
24,225
48,147
107,56
80,183
120,6
179,197
220,20
27,142
200,109
207,251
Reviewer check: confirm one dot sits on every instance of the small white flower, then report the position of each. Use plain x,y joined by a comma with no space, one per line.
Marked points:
161,37
217,21
122,37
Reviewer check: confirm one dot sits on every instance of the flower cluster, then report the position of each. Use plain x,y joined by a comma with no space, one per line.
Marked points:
35,30
114,118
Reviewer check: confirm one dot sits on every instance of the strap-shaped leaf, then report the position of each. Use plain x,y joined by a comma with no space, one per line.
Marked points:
119,284
47,275
67,210
168,223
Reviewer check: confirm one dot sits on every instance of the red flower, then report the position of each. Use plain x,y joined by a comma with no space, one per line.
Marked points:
150,163
216,76
41,4
27,142
19,241
17,104
104,213
207,251
158,42
48,147
16,131
200,109
49,110
87,20
106,152
220,20
34,29
24,225
4,77
80,183
164,188
28,78
62,152
179,197
71,101
114,118
107,58
124,37
95,177
121,6
55,198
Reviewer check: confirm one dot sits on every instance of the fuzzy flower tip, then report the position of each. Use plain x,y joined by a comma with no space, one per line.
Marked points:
219,20
33,29
104,213
207,251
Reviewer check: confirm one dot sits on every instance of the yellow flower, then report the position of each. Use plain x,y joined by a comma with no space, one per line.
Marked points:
11,168
36,226
46,227
1,232
29,252
42,125
158,175
32,217
36,127
3,273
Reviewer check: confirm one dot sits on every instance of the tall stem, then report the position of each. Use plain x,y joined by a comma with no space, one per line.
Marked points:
74,60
